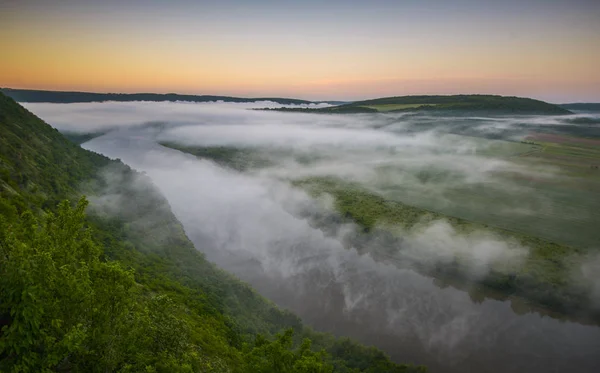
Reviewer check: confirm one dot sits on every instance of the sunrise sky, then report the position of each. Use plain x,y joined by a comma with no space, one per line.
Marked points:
306,49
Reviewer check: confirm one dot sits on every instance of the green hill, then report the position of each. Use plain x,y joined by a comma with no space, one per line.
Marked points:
464,104
126,290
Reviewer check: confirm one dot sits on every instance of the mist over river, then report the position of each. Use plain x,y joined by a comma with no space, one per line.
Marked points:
255,225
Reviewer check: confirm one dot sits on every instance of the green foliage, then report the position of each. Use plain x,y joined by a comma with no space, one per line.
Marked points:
68,310
278,356
38,166
227,156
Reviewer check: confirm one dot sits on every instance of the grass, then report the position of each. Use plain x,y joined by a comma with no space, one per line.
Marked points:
573,153
559,203
555,212
491,147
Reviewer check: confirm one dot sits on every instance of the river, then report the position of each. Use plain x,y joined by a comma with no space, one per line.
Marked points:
248,226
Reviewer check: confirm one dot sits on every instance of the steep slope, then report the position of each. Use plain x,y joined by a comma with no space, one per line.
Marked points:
123,288
38,166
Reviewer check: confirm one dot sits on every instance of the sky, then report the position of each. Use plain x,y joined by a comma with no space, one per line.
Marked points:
345,50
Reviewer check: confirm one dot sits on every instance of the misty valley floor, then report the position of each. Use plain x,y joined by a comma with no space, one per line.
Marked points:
244,198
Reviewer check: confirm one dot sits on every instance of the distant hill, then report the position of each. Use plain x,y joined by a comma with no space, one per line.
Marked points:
582,106
27,95
486,104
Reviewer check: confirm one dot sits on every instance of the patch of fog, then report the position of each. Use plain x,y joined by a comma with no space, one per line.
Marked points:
92,116
419,164
440,243
588,271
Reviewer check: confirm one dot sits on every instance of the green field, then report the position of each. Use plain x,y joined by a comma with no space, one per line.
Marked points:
492,148
575,156
558,201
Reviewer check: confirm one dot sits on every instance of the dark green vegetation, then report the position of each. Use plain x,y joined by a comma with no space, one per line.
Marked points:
39,167
80,138
463,104
237,158
123,289
26,95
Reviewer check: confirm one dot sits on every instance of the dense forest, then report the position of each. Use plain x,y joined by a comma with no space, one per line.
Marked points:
85,287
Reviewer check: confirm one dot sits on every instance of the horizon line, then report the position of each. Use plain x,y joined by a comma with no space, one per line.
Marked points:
283,97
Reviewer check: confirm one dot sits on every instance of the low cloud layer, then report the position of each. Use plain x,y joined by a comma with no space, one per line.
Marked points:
255,224
92,117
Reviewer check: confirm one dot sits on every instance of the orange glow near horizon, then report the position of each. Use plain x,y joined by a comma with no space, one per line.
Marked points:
51,53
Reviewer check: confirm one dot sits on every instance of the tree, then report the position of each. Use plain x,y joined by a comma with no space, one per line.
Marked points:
46,288
277,356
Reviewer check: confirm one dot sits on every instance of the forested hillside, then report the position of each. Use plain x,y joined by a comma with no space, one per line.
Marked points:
451,104
121,288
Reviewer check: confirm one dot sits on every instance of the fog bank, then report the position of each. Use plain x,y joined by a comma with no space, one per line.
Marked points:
256,225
